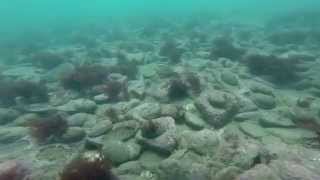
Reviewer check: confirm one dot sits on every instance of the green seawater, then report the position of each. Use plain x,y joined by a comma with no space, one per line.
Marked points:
18,16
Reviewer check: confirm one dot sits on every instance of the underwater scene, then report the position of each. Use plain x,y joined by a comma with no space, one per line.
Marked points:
160,90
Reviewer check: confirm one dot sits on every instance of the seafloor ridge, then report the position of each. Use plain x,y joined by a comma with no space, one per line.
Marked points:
193,98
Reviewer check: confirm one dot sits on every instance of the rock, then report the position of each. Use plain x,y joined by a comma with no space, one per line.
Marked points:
73,134
38,108
78,105
131,167
165,70
123,131
314,91
293,135
194,121
303,84
146,111
248,116
306,118
8,115
263,101
24,119
79,119
229,78
54,153
172,169
165,139
119,152
252,130
259,172
261,88
132,177
136,89
228,173
12,134
246,105
203,142
305,102
270,120
246,154
101,98
60,71
150,159
218,99
293,170
149,70
100,128
23,72
170,110
212,113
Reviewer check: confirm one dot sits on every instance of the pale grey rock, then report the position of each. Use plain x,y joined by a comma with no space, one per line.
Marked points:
146,111
248,116
101,98
123,131
24,119
136,89
263,101
73,134
79,119
78,105
252,130
204,142
166,139
229,78
259,172
119,152
12,134
8,115
194,121
100,128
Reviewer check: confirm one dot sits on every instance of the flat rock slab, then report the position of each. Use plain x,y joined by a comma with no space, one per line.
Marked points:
276,122
252,130
293,135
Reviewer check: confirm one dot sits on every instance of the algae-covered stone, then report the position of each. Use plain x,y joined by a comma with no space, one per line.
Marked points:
123,130
100,128
276,122
25,118
131,167
73,134
146,110
228,173
172,169
261,88
194,121
149,71
248,116
160,136
79,119
293,135
78,105
229,78
293,170
12,134
259,172
136,89
203,142
119,152
8,115
170,110
252,130
263,101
